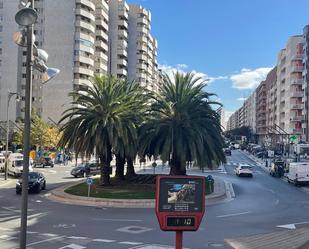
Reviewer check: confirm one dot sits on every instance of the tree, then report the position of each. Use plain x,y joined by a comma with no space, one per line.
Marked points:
41,134
103,118
182,126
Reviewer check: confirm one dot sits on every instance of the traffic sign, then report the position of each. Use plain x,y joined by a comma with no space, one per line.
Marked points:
89,180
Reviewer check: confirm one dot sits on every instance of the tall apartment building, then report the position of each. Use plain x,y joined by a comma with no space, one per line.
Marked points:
118,35
306,82
142,47
289,87
80,49
250,112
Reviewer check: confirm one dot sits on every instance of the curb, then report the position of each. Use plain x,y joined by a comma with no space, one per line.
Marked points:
59,195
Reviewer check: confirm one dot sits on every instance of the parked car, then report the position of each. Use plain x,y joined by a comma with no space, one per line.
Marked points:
298,173
244,170
81,170
227,152
36,183
2,162
44,162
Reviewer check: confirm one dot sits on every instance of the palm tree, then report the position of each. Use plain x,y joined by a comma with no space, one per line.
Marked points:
182,125
101,116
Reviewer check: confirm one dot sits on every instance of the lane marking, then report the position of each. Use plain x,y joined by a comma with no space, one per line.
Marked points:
73,246
104,240
45,240
49,234
7,237
76,237
236,214
292,225
102,219
130,243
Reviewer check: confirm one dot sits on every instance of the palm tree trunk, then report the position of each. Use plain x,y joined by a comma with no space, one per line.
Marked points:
105,161
120,162
177,167
130,168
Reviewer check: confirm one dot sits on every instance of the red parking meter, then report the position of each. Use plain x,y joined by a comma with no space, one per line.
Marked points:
180,203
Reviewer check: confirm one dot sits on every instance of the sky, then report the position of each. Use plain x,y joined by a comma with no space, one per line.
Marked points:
233,43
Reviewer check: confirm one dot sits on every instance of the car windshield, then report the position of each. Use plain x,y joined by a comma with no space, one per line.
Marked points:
245,167
19,163
33,175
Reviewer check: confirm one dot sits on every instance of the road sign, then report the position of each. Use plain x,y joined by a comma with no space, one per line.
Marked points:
293,138
180,203
89,180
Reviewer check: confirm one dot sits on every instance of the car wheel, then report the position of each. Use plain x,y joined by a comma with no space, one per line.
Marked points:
18,192
44,186
75,176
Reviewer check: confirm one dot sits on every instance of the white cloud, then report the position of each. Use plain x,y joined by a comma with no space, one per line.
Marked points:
183,68
241,99
248,78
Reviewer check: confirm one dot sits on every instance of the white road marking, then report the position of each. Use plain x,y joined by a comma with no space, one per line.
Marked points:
49,234
30,232
72,246
104,240
236,214
130,243
76,237
11,209
45,240
7,237
292,225
102,219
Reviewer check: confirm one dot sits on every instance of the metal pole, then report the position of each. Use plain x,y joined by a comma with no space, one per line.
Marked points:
26,145
178,240
7,139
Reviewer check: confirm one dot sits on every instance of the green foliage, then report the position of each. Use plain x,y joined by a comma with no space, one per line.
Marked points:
104,117
41,133
182,126
236,133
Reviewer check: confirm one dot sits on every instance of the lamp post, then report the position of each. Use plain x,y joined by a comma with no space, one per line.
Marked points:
26,17
10,95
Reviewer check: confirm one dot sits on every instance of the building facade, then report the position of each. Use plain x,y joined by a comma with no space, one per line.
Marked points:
94,38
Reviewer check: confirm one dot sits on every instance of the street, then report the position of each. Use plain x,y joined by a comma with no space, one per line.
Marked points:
262,203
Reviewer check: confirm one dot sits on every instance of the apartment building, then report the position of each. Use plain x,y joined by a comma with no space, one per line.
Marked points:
142,50
306,82
118,35
94,38
289,87
250,112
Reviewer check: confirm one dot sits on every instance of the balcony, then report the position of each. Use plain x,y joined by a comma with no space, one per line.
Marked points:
82,70
297,57
297,118
84,48
101,55
87,3
142,29
84,13
297,69
85,25
101,44
100,22
297,107
142,66
142,57
101,33
101,13
123,13
122,62
143,20
297,82
123,23
82,82
84,59
142,47
122,72
123,33
297,94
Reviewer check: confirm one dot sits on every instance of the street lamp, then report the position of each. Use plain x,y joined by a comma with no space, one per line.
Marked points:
26,17
10,95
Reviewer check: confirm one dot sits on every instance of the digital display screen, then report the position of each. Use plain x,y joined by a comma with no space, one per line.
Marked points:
181,195
180,221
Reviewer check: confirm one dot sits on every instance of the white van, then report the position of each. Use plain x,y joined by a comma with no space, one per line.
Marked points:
15,164
2,162
298,173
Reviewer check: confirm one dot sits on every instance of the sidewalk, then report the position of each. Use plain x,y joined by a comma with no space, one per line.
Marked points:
222,191
291,239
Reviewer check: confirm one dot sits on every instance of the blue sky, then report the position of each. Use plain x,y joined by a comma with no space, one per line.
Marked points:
232,42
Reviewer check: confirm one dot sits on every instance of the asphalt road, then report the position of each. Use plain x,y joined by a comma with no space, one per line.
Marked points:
262,203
